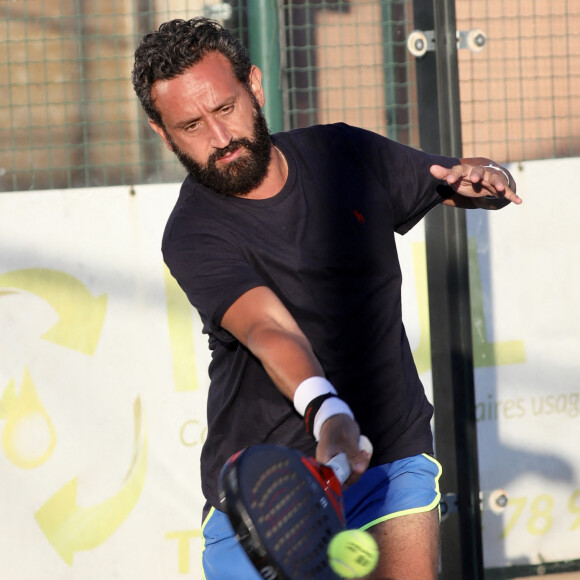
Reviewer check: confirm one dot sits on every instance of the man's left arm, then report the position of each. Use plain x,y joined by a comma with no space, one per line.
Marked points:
478,183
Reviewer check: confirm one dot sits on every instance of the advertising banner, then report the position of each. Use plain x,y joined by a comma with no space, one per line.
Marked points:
525,282
103,380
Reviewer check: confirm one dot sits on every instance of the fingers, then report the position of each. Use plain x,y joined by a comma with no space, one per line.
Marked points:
499,183
340,434
349,469
513,197
477,180
360,459
451,175
363,457
471,174
441,172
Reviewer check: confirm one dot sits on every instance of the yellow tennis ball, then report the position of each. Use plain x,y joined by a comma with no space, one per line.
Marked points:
353,553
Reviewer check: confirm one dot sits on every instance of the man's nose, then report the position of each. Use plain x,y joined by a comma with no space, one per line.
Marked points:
220,135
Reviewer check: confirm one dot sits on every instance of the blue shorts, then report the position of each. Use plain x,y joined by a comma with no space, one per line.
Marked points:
382,493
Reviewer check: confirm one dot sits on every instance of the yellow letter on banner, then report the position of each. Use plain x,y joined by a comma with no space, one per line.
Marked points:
179,317
485,353
422,354
183,539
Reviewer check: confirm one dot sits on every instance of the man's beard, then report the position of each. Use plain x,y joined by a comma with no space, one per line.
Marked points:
240,176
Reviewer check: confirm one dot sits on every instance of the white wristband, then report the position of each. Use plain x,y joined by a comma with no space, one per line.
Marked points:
330,407
310,389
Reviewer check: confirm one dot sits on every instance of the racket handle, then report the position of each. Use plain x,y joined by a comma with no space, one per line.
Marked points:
340,465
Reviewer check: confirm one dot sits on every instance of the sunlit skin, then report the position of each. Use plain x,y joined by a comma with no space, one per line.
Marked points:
206,108
473,182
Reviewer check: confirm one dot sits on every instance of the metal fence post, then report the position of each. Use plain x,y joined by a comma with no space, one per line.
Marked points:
264,46
449,303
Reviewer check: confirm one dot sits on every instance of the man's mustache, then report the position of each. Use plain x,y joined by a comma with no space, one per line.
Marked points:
230,148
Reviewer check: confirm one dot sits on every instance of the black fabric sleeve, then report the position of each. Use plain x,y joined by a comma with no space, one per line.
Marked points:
211,272
404,173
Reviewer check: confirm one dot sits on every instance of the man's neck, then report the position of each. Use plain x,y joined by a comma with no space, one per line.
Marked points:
275,177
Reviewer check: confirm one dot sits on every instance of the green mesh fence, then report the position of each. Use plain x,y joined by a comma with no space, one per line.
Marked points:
68,116
345,61
521,95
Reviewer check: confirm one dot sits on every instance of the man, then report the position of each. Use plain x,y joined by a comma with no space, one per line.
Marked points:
285,245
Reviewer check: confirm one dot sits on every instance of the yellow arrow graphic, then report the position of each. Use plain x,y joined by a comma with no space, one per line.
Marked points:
72,528
81,315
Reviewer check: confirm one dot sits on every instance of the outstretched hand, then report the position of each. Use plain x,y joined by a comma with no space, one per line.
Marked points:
473,178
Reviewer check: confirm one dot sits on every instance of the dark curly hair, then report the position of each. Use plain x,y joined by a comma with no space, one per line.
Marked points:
178,45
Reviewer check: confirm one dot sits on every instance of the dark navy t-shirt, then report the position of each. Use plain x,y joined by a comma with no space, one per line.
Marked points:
325,245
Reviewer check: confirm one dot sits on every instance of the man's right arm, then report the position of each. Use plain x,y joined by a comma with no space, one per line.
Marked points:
261,322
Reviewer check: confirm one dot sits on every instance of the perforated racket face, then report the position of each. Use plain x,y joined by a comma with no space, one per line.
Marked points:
284,518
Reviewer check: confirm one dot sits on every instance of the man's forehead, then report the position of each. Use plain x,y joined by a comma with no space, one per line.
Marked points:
214,69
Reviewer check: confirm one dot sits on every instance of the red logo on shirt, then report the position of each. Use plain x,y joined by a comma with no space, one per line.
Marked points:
359,216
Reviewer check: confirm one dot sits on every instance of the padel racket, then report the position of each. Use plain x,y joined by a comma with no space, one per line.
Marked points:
285,508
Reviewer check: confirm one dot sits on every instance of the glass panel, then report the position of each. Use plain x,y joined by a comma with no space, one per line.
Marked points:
519,103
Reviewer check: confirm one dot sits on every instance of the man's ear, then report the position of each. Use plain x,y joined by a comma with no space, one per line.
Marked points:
161,132
255,82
